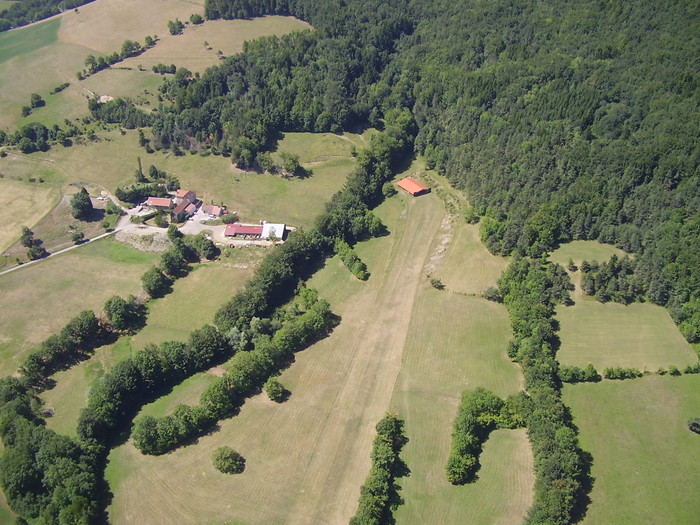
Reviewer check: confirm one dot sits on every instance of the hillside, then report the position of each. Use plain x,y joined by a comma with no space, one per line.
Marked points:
543,129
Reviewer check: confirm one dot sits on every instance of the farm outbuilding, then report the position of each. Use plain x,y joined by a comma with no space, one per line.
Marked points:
159,203
276,230
413,187
243,230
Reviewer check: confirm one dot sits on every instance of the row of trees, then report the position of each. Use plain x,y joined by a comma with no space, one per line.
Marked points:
351,260
130,48
247,372
73,343
530,289
480,412
379,495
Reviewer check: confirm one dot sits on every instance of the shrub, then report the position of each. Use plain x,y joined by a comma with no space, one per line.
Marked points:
437,284
673,370
618,372
694,425
228,461
275,390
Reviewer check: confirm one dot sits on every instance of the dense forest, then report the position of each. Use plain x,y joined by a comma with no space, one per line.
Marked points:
27,11
564,120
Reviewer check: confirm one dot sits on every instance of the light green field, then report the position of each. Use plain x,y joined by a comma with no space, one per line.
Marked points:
644,457
640,335
192,303
39,300
580,251
28,39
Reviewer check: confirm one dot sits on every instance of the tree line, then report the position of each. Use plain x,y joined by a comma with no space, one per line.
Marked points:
530,289
379,495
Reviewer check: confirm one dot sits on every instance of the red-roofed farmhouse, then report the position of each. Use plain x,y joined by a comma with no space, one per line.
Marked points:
413,187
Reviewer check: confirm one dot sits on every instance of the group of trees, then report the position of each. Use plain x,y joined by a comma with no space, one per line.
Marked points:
614,280
379,495
247,373
480,412
34,136
45,476
35,250
74,342
530,289
351,260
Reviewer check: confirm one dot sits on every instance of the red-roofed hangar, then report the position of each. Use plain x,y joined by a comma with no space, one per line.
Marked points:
413,187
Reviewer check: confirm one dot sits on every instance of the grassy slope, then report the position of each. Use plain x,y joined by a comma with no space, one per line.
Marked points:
192,303
38,300
340,387
645,458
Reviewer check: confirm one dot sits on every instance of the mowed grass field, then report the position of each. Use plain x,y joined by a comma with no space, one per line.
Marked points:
308,457
638,335
39,300
580,251
645,459
192,303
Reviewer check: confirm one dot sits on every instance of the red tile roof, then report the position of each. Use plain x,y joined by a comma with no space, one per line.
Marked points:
243,229
412,186
162,202
180,208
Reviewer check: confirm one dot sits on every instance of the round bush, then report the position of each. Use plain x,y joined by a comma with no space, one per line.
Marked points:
228,461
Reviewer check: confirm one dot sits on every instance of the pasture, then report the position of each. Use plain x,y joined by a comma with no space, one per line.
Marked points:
378,358
227,36
640,335
39,300
341,387
192,303
644,457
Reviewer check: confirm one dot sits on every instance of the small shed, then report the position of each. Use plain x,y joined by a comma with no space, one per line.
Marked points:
413,187
273,229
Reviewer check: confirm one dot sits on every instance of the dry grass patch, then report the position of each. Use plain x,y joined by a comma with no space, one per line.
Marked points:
468,267
188,49
22,203
644,457
103,25
38,300
639,335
